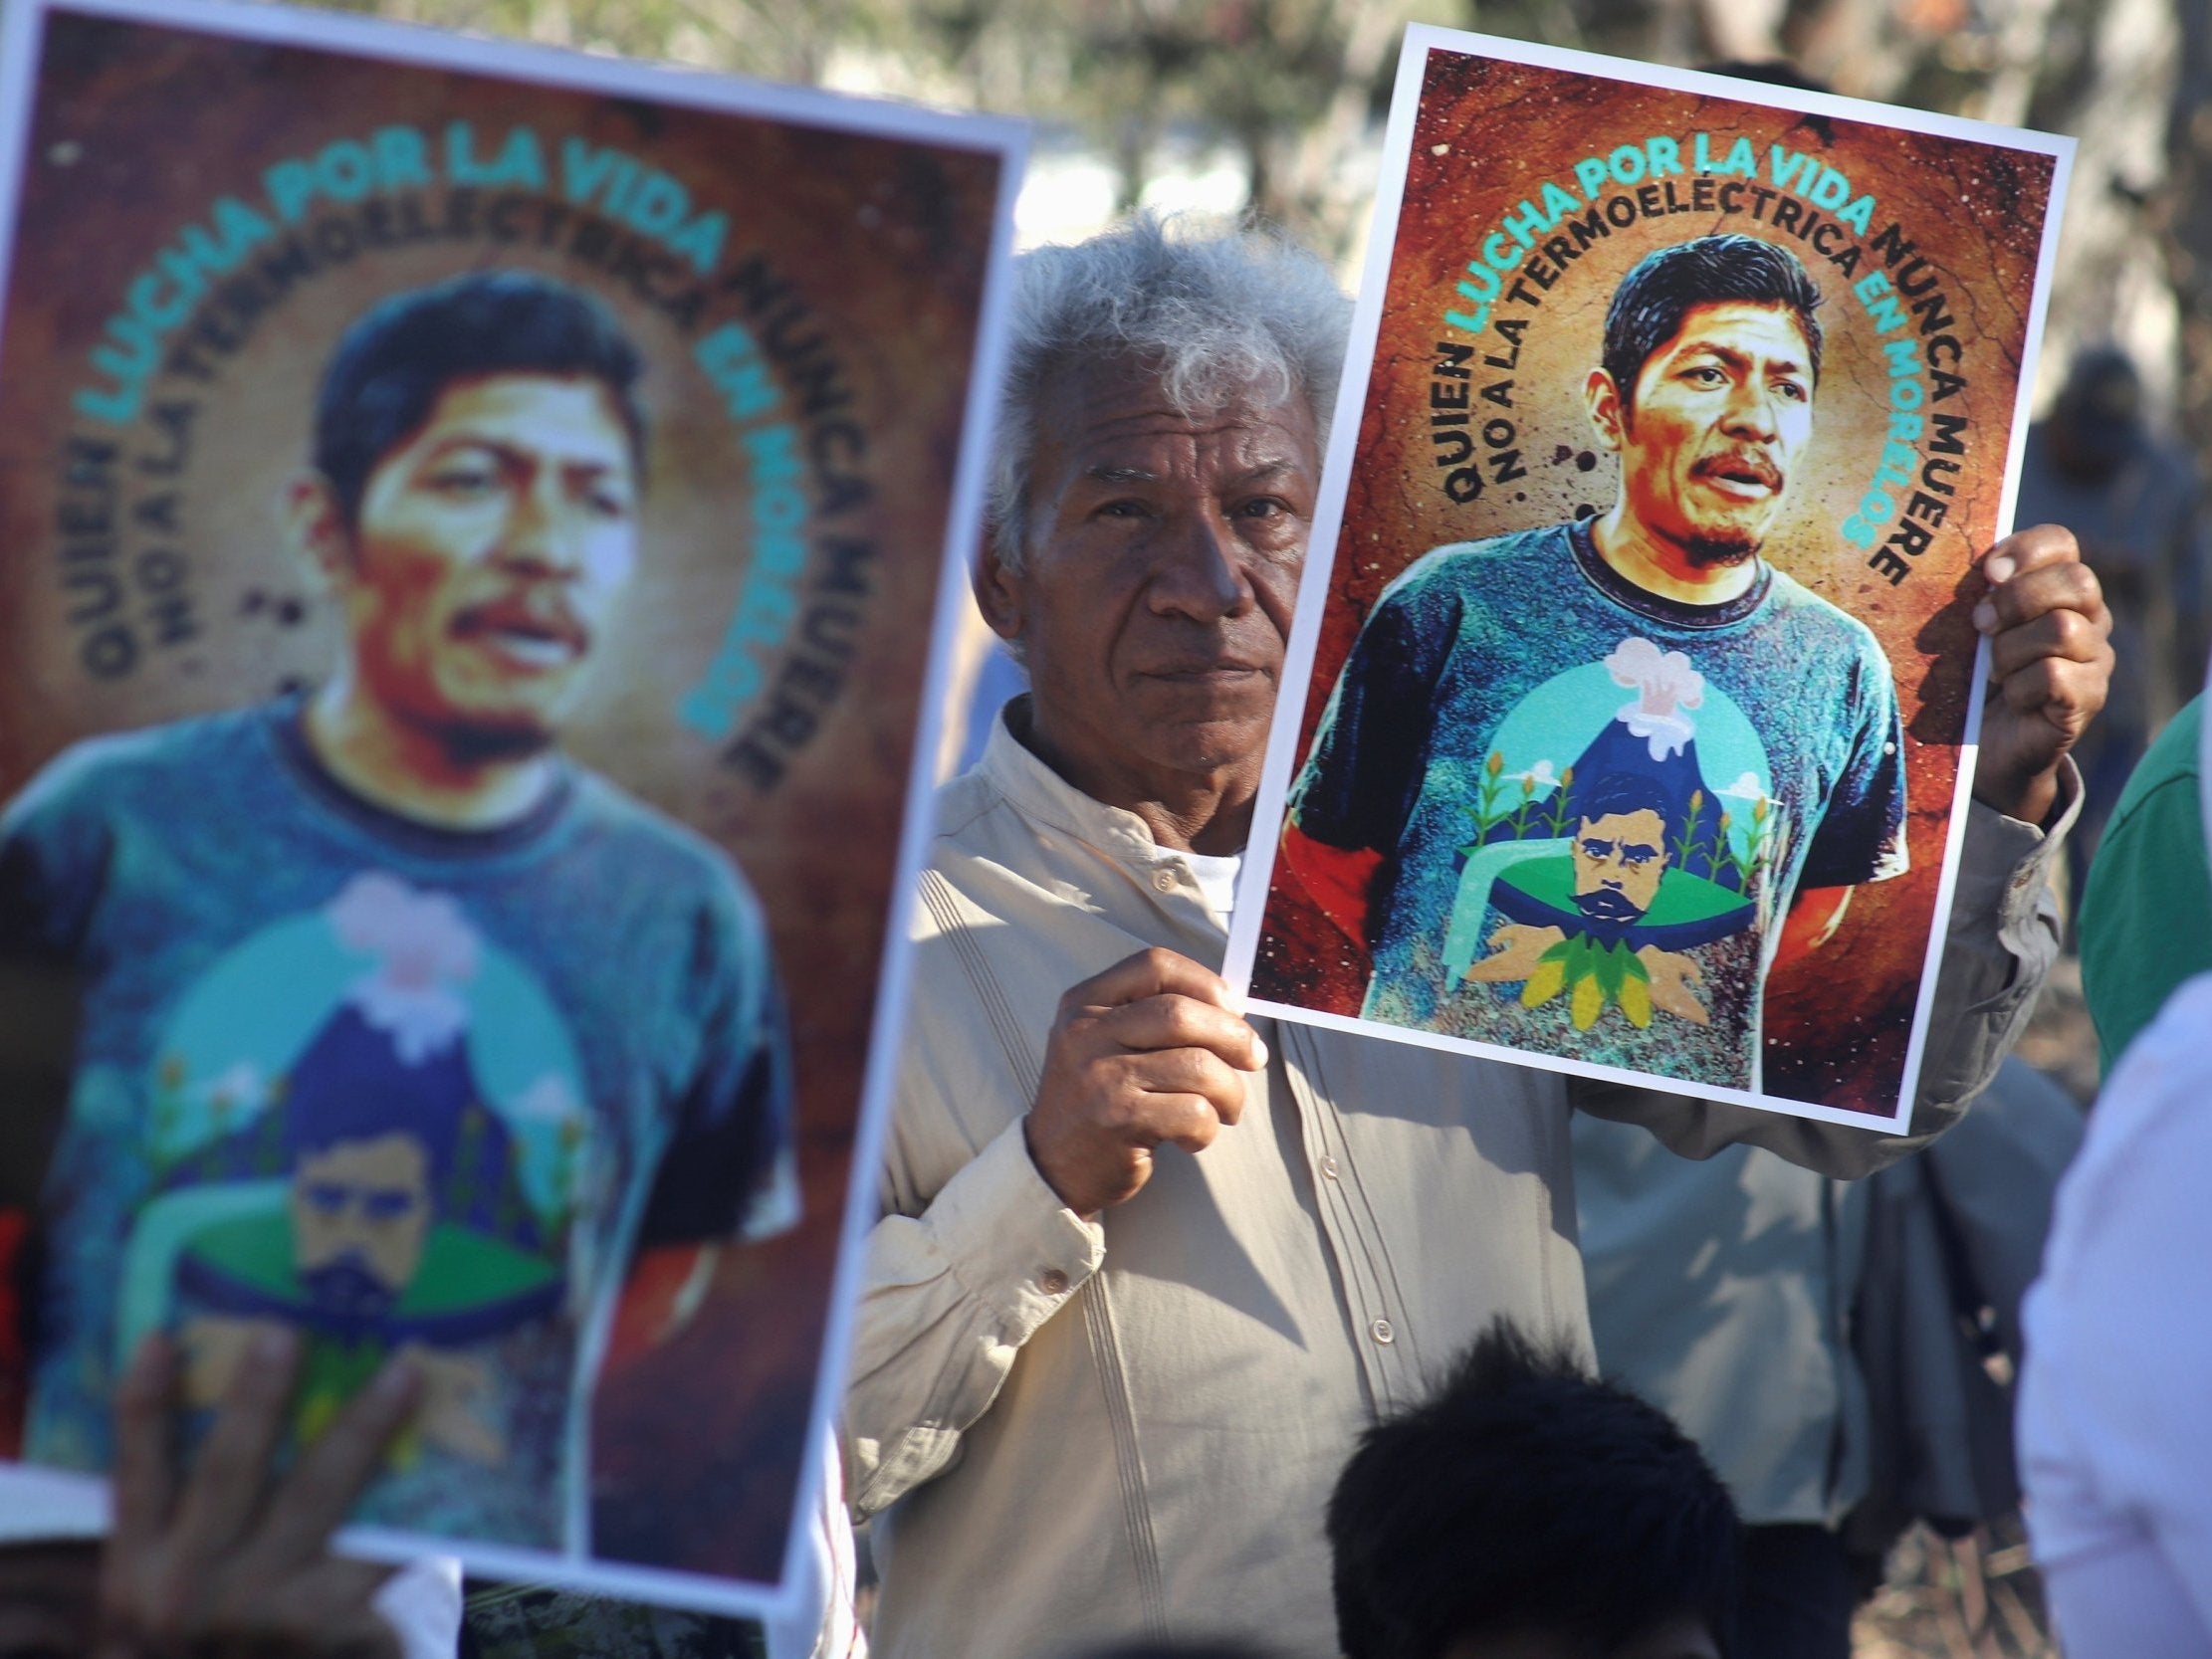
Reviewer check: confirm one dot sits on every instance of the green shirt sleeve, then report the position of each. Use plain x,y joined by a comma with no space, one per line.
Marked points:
2146,912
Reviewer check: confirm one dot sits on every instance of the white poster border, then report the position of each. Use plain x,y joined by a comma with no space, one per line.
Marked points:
80,1503
1270,803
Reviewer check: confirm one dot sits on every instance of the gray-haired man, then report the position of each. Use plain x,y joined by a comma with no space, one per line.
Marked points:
1146,1270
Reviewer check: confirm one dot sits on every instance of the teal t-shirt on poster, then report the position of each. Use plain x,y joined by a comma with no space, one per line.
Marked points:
1594,802
391,1084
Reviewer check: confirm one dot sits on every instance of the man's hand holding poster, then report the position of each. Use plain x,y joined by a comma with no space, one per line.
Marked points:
471,519
1629,730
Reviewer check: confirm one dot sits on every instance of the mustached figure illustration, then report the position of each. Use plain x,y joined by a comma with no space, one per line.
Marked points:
1624,864
403,1225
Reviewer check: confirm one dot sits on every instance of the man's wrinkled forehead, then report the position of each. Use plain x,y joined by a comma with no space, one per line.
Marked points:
1112,421
1123,393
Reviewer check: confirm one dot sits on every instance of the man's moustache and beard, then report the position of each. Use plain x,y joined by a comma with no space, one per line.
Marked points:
1727,548
485,739
345,1299
1609,906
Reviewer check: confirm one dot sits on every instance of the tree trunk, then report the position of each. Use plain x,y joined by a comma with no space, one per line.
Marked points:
2189,228
1742,30
2112,284
1317,203
550,22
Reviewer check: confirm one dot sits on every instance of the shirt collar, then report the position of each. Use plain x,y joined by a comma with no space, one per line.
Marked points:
1037,791
1679,613
1042,795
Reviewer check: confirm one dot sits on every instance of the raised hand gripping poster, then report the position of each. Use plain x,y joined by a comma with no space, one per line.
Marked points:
1628,728
477,521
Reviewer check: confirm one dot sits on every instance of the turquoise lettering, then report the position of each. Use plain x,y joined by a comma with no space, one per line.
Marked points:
1523,226
1557,202
732,363
701,241
1830,191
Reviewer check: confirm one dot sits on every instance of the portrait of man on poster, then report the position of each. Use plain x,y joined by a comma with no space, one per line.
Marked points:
398,1026
1576,783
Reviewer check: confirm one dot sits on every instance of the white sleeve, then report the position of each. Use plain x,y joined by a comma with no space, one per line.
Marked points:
948,1298
2115,1440
422,1604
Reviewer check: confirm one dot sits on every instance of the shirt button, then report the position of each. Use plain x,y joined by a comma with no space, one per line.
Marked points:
1163,879
1328,1168
1382,1332
1054,1280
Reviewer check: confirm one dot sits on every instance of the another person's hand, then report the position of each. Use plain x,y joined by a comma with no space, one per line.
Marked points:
237,1563
2051,665
1145,1054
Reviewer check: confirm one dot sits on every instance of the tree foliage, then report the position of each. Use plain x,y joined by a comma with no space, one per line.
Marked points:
1293,87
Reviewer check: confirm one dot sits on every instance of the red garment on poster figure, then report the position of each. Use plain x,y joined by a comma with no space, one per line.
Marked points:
1340,881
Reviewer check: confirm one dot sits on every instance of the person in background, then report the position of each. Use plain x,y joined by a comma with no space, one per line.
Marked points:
2145,920
2135,504
1527,1511
2115,1439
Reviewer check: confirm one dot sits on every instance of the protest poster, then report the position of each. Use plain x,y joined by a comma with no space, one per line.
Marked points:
479,521
1630,702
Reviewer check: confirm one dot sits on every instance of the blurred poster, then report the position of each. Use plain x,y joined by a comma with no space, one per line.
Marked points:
1629,727
477,529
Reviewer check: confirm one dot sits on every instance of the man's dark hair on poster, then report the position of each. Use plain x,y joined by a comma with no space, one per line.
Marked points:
1649,306
395,362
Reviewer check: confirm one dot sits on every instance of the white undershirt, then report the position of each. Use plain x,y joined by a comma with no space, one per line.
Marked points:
1216,878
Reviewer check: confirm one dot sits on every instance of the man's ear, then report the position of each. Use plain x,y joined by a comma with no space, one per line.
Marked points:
1609,418
998,589
315,526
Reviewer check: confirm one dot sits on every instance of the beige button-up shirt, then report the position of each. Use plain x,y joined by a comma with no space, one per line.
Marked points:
1075,1430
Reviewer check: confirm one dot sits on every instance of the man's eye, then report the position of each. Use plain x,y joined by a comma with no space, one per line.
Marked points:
1704,374
464,481
1636,857
326,1197
1264,507
1795,390
607,504
388,1206
1122,509
1597,849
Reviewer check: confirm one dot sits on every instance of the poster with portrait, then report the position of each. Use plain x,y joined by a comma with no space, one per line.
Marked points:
476,526
1627,727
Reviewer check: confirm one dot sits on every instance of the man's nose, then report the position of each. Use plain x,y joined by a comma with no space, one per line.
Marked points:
1751,410
544,530
1201,572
